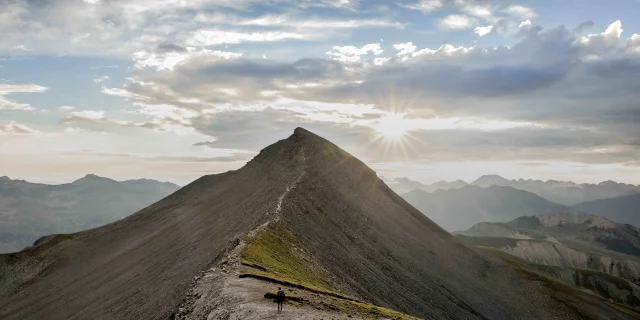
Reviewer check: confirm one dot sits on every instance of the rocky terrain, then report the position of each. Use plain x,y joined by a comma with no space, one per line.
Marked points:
29,211
570,240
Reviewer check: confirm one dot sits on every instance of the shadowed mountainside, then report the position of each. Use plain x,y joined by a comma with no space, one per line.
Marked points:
625,209
29,211
459,209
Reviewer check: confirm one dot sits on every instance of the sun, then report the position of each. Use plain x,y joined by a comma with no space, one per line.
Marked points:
392,127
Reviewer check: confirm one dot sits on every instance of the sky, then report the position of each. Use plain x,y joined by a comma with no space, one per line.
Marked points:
426,89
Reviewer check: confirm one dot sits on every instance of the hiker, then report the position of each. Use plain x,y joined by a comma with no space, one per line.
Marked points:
280,299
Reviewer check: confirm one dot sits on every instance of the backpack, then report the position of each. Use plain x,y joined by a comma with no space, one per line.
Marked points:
280,295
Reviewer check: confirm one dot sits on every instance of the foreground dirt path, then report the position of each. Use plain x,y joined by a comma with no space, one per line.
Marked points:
221,294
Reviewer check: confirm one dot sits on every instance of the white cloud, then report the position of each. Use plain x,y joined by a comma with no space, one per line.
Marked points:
85,116
455,22
525,24
293,22
521,12
100,79
480,11
426,6
632,44
116,92
168,60
405,48
21,48
66,108
203,38
483,31
354,54
6,89
14,128
602,43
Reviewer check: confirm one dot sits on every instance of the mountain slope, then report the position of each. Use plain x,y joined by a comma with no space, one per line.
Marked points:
566,239
459,209
29,211
371,244
563,192
625,209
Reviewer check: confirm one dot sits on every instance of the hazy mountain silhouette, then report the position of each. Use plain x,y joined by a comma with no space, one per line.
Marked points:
563,192
459,209
342,217
624,209
404,185
29,211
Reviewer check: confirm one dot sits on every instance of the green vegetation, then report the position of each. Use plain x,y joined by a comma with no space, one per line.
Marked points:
274,255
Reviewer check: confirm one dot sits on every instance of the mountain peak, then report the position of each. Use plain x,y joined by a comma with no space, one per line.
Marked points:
91,178
5,178
490,179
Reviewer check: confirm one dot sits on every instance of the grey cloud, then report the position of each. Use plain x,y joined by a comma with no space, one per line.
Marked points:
586,104
170,47
583,26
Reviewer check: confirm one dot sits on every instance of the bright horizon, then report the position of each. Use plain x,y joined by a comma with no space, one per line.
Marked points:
425,89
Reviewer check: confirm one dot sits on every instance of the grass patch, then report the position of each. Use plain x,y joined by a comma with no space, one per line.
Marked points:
275,252
276,256
294,284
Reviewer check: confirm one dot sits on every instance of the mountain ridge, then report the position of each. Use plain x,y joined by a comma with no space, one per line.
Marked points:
375,244
32,210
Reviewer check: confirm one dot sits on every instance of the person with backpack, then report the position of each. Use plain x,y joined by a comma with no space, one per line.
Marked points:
280,299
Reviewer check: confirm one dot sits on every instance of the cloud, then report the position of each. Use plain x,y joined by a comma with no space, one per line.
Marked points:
521,12
426,6
538,99
483,31
354,54
605,42
583,26
92,116
167,56
455,22
14,128
289,21
100,79
6,89
203,38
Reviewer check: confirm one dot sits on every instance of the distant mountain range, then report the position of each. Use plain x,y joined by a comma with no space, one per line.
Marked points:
29,211
459,209
562,192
